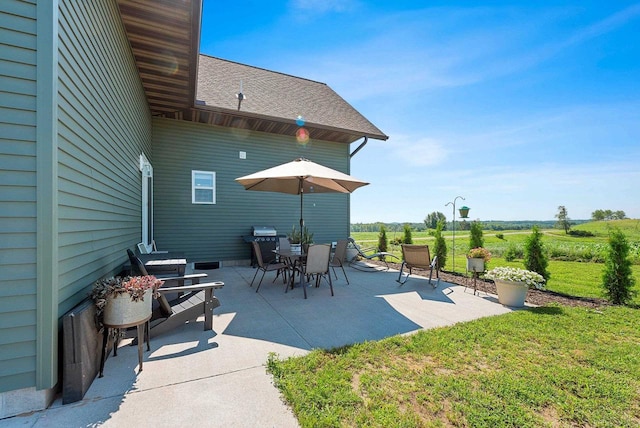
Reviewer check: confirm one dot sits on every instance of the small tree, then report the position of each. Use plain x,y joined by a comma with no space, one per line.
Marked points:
440,245
563,219
534,257
617,279
431,221
407,234
475,235
383,242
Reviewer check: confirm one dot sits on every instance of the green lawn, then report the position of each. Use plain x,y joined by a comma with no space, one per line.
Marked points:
573,266
551,366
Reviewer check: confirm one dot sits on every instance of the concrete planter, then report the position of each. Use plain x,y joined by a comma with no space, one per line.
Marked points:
511,293
120,310
475,264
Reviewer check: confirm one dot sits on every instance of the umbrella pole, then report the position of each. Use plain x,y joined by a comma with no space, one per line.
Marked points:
301,216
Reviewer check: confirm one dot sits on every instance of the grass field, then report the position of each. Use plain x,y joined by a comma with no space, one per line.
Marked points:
550,366
575,262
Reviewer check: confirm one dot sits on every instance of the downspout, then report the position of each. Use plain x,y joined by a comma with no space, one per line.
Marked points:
366,139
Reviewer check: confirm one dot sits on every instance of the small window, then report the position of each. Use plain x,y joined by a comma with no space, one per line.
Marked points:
203,187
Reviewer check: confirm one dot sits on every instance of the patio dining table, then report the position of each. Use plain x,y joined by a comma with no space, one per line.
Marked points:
293,259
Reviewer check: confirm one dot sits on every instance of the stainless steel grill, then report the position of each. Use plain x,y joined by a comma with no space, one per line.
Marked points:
267,237
264,231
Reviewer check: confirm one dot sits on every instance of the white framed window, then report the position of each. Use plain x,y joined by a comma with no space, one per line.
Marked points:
203,187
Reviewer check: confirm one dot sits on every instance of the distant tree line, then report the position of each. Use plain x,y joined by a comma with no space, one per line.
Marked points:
496,225
599,215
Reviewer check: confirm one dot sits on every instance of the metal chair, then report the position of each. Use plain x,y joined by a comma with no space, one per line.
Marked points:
417,256
316,265
339,257
277,266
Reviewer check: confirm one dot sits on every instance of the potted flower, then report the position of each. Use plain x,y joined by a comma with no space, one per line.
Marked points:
513,284
300,238
125,300
477,258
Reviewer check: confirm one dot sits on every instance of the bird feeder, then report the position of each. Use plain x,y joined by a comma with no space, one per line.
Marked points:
464,212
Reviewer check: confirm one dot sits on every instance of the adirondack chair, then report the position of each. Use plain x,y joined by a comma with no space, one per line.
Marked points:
179,303
417,256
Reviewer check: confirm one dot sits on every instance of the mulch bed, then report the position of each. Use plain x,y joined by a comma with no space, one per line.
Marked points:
535,297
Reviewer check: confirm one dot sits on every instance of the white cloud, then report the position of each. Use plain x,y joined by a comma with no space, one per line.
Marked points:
418,151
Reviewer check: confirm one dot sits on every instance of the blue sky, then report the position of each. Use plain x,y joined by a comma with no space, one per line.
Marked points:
518,107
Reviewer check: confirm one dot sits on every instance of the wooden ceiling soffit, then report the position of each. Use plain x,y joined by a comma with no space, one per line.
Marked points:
269,125
165,36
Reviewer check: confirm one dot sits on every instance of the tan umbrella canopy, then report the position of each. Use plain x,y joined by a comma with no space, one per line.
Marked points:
298,177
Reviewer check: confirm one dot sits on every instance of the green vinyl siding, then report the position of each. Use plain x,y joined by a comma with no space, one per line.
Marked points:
104,126
70,186
17,194
214,232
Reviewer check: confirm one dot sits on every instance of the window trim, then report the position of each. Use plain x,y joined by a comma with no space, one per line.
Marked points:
212,174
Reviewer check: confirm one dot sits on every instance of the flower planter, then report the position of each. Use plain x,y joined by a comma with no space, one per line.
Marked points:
511,293
121,310
475,264
296,248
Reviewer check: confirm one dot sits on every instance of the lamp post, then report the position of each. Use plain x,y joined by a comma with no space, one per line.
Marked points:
453,225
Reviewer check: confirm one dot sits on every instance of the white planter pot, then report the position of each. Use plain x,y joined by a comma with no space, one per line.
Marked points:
351,254
120,310
475,264
511,293
296,248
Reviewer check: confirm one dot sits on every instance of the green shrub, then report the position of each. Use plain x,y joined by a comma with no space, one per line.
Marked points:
500,235
440,246
581,233
513,252
407,239
617,278
534,257
383,243
475,235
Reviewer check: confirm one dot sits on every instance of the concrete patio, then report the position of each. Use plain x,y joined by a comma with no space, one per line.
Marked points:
218,378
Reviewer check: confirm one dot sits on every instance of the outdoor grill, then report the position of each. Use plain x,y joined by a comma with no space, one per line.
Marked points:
262,231
267,237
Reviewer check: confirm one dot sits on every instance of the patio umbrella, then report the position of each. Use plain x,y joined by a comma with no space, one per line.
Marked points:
298,177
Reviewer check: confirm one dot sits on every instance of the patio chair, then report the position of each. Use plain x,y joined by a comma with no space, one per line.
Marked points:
149,249
417,256
284,244
279,267
180,303
381,255
339,257
316,265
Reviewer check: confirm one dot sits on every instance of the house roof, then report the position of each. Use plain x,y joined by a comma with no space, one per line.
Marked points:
270,96
182,84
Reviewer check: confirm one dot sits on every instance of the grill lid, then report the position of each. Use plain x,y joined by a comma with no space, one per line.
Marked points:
264,231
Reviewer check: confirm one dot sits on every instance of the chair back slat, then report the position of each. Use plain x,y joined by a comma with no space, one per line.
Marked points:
136,265
258,253
341,250
416,255
284,244
318,258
